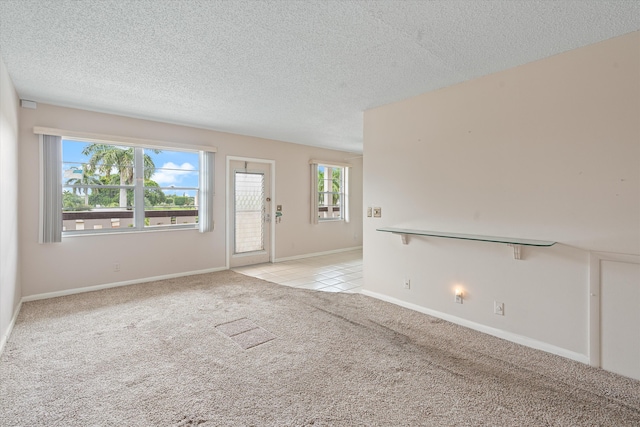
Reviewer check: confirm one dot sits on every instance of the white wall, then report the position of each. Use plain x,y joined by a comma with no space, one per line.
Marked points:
88,260
10,291
549,150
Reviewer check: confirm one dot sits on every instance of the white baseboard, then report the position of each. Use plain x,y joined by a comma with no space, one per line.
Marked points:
335,251
7,334
509,336
117,284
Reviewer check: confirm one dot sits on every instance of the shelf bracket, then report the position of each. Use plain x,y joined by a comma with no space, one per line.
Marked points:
404,237
516,250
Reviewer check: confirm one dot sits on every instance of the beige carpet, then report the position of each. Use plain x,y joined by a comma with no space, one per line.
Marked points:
164,354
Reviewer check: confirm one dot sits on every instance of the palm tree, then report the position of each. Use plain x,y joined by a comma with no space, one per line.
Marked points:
105,158
86,179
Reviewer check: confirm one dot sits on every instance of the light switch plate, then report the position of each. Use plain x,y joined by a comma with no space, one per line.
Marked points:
377,212
369,212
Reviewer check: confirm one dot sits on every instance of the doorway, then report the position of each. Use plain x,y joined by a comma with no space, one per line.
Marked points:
249,216
615,318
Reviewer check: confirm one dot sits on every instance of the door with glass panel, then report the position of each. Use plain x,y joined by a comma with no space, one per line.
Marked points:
250,212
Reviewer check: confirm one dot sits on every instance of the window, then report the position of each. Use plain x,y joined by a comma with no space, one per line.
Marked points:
121,182
331,192
109,187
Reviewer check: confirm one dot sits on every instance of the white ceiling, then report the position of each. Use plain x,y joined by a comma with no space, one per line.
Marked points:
297,71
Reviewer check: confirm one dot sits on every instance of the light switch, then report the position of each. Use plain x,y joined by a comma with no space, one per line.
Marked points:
369,211
377,212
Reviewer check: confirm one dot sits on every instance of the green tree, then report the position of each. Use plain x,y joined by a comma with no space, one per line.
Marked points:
83,182
106,197
107,158
153,195
72,202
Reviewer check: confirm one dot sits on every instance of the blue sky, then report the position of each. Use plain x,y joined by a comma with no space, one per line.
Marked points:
173,168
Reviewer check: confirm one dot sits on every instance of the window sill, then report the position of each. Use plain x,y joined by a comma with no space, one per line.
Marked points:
89,233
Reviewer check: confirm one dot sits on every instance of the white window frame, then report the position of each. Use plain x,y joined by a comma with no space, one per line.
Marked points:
51,183
343,193
138,188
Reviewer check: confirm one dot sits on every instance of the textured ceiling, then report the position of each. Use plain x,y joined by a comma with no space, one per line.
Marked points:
297,71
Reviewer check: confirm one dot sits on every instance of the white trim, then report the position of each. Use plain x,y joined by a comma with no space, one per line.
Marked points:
345,202
314,193
40,189
518,339
311,255
6,335
117,284
272,206
329,163
595,260
100,138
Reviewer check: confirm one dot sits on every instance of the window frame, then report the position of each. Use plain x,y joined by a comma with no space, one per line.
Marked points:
137,186
342,194
50,166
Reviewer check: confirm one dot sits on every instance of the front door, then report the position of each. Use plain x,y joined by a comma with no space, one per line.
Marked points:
250,213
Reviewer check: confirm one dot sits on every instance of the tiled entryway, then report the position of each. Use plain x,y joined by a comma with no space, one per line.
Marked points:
341,272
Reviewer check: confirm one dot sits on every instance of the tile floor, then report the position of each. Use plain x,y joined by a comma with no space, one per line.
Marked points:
341,272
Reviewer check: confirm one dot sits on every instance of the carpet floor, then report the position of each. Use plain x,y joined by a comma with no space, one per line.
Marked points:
223,349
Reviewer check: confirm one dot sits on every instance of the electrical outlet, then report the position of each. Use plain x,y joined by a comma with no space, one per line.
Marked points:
458,297
369,212
377,212
407,283
116,267
498,308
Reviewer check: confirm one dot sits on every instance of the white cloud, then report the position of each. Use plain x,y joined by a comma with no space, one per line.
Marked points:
172,174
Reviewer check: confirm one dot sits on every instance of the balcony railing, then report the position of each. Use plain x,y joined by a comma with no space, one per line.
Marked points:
105,219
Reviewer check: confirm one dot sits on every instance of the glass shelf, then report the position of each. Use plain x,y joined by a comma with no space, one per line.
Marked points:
511,241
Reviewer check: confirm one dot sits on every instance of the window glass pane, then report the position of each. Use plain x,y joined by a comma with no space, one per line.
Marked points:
171,168
83,174
330,192
100,159
99,186
249,210
170,207
336,179
330,206
82,211
86,165
170,187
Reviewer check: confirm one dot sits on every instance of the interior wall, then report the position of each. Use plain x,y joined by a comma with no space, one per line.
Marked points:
549,150
10,291
82,261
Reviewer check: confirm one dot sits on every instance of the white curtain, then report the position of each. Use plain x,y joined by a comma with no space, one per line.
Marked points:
205,214
346,194
50,189
314,193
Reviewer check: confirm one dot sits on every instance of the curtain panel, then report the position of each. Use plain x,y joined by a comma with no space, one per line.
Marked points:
50,229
